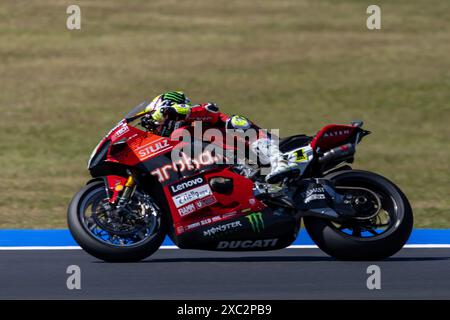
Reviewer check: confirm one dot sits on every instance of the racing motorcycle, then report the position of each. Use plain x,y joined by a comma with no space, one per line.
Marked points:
138,195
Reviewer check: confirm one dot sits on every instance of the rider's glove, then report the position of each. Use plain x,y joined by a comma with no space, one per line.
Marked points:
170,113
147,122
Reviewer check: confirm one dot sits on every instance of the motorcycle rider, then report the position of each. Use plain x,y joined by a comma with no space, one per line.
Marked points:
172,107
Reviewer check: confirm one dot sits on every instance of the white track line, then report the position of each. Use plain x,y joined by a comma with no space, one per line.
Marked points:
41,248
407,246
411,246
422,246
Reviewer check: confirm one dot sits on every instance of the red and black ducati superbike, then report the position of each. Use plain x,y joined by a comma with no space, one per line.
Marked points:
139,195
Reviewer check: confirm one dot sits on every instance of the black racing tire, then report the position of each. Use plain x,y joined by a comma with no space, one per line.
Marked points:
347,247
100,249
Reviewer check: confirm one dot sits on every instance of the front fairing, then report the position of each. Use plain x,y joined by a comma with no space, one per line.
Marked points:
106,141
116,140
118,132
98,154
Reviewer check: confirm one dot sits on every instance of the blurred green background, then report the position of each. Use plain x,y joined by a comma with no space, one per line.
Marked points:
290,64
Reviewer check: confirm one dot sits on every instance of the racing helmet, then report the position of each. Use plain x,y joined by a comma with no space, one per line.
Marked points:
177,101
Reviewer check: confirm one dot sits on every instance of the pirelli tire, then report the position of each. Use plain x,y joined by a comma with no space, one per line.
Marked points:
100,249
346,247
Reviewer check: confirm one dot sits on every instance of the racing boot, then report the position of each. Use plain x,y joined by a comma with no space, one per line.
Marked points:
280,169
279,166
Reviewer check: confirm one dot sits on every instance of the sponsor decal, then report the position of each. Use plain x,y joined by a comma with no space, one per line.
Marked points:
336,133
207,221
229,214
222,228
153,148
205,202
213,219
247,244
192,195
314,197
186,210
187,184
185,164
192,226
257,222
124,129
197,205
314,194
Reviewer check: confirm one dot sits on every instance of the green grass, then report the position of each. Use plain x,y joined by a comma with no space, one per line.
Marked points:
290,64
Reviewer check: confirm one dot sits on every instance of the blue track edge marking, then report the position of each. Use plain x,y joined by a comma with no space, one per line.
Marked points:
62,237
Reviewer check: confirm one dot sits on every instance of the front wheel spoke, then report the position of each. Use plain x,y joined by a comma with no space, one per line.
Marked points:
91,223
114,239
97,230
116,229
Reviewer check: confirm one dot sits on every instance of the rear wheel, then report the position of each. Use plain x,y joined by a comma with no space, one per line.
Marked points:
383,225
129,234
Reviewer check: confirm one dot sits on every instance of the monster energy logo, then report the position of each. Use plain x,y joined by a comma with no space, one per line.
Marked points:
256,221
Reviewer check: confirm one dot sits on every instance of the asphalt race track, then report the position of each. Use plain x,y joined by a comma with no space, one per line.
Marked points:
191,274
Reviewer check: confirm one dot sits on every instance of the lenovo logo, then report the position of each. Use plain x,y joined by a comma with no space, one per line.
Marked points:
186,185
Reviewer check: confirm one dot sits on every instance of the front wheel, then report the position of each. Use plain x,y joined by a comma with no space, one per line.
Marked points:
383,227
126,235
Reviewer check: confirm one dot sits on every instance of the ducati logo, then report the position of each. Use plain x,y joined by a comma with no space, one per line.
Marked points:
247,244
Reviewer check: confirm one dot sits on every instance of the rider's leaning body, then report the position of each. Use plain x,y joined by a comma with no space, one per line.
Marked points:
172,107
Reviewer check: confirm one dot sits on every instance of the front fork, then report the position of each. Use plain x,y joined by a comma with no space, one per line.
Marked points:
127,192
121,189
